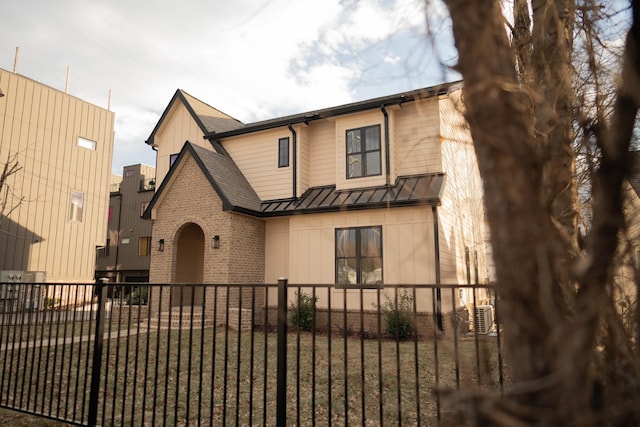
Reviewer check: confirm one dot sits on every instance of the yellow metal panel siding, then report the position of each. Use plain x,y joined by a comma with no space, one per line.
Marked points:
417,132
256,154
177,127
354,121
42,125
322,165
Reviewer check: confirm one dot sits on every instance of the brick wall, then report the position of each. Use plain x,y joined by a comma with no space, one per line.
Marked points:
190,198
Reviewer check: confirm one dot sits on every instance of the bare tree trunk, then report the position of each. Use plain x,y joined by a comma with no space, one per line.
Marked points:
524,143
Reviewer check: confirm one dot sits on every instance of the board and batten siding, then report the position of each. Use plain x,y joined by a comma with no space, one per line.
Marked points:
42,125
179,126
256,154
407,239
462,211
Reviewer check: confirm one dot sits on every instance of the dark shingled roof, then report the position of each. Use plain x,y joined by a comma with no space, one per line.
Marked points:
207,118
229,183
227,179
634,171
407,191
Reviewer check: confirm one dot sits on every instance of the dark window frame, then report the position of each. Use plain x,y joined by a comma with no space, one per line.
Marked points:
283,152
359,258
363,152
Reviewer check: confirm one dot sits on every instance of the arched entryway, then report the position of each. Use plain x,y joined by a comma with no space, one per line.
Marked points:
189,265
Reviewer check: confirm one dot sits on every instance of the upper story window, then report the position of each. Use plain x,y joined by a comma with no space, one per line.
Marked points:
86,143
364,155
359,255
283,152
77,205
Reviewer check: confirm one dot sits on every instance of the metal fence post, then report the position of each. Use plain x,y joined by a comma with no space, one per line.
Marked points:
100,292
281,405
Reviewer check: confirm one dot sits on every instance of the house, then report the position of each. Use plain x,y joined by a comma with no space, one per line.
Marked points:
371,194
125,256
56,204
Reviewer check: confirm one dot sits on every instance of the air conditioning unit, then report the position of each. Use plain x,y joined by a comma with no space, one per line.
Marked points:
483,319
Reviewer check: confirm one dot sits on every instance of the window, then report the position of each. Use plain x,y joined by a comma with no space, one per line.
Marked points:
363,152
144,246
124,241
359,255
86,143
173,158
77,203
143,207
283,152
130,172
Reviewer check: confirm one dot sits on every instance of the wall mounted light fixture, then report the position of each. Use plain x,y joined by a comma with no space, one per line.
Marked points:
215,242
161,245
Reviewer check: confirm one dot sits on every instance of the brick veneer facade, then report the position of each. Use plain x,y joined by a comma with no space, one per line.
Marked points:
191,199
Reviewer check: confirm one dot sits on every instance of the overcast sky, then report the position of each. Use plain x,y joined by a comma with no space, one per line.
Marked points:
252,59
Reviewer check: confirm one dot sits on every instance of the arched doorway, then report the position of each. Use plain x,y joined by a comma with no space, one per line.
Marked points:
189,265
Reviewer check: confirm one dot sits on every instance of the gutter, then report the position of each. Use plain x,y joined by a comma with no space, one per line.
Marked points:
294,163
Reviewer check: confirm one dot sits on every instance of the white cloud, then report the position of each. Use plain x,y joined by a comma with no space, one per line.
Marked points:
251,59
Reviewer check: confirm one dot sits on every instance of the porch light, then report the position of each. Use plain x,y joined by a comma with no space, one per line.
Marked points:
215,242
161,245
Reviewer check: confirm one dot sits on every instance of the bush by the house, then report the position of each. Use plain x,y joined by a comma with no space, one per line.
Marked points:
301,311
399,318
138,296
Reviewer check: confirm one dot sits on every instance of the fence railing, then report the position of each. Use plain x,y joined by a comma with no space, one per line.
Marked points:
271,354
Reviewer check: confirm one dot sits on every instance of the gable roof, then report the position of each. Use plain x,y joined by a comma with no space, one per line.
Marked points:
222,173
634,171
354,107
207,118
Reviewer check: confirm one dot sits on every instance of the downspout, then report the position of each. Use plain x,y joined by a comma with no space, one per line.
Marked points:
294,163
387,160
436,239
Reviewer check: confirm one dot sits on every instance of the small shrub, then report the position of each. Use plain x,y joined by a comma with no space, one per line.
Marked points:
138,296
51,303
399,319
301,311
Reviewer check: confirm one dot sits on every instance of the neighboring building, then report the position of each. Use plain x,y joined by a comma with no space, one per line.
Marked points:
125,256
63,146
375,193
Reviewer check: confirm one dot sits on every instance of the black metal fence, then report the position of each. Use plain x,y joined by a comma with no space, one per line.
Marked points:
150,354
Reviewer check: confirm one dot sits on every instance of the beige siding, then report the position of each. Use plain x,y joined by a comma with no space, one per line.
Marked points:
177,127
42,125
461,215
276,250
322,164
304,158
353,121
256,154
408,248
416,134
